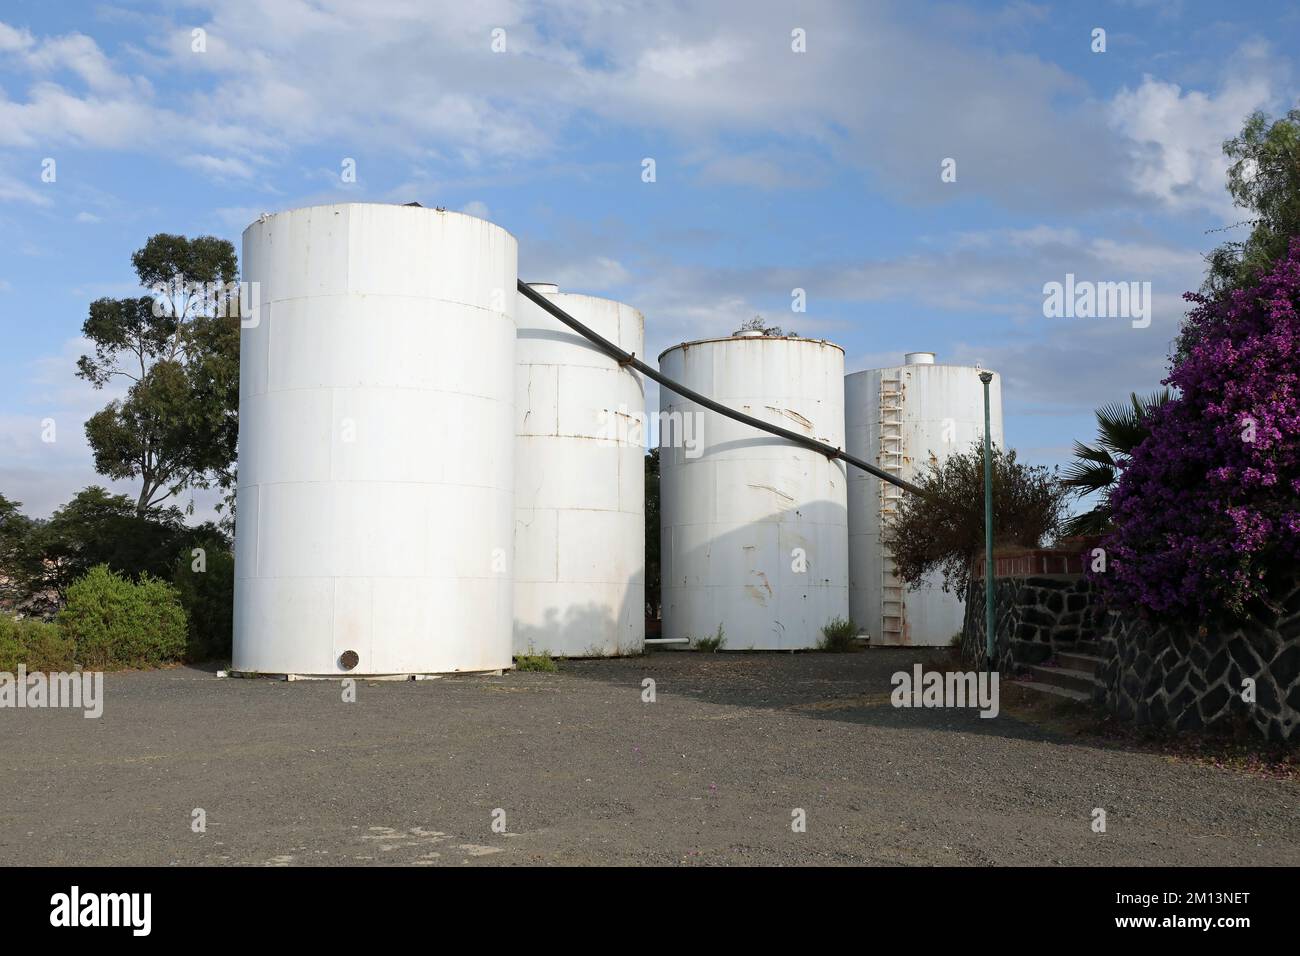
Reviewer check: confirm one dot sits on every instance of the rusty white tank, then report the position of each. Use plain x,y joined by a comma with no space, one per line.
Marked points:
754,528
902,419
580,482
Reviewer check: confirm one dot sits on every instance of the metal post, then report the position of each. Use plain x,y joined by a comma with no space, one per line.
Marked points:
989,608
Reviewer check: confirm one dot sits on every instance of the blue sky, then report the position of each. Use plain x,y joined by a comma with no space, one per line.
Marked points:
775,169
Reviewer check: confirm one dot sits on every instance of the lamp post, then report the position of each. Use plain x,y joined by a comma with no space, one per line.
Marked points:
989,609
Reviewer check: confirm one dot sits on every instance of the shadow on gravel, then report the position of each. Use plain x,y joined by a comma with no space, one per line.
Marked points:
855,688
851,688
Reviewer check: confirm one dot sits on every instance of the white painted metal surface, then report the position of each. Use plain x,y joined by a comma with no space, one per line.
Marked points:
901,419
754,528
580,482
376,446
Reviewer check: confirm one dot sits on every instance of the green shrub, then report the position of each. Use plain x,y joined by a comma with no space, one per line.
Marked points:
208,596
39,645
536,662
710,644
838,636
116,622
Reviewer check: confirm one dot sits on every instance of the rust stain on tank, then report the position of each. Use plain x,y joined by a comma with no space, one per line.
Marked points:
775,491
795,416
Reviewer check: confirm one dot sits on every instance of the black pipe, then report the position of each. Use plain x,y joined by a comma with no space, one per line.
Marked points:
627,358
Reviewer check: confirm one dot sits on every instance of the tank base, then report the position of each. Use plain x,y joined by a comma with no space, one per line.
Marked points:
898,642
264,675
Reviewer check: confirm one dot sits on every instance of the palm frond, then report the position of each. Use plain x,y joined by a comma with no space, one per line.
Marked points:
1119,428
1122,426
1100,455
1096,521
1088,477
1147,405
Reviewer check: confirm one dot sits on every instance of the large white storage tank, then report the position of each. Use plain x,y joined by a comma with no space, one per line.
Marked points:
376,458
754,527
902,419
579,481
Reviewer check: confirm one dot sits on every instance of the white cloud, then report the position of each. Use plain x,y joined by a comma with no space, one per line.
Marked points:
597,274
14,189
13,40
43,474
762,169
1176,136
992,279
78,97
679,61
880,95
388,75
54,116
219,167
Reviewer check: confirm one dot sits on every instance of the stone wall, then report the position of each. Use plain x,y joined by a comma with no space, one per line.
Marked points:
1177,678
1036,617
1181,679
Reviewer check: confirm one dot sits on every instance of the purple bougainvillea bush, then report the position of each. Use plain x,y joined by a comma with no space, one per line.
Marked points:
1209,504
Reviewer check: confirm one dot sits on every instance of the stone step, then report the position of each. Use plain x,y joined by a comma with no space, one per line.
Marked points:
1088,663
1086,647
1052,690
1062,677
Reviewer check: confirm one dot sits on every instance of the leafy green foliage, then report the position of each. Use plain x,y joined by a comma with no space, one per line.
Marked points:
542,662
117,622
942,529
39,645
1121,427
18,561
95,527
1264,179
179,348
710,644
208,596
838,636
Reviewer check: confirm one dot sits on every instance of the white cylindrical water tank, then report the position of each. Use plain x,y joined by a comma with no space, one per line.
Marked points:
754,527
376,446
579,481
902,419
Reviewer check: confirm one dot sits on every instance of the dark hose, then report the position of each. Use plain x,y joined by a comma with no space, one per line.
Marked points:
627,358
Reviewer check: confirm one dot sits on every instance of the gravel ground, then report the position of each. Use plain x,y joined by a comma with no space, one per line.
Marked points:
586,773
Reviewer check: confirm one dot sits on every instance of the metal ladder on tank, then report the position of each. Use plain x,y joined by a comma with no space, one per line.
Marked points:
889,456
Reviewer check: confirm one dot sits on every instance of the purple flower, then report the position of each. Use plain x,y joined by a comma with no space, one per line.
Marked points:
1208,503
